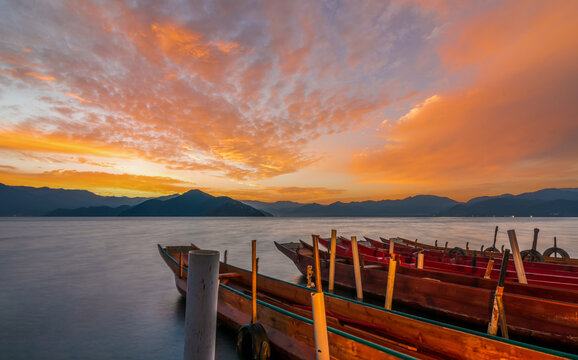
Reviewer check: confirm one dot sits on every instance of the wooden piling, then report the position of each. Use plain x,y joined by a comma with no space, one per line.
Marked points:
495,236
502,311
332,260
420,260
498,312
320,326
254,281
318,308
201,304
390,281
517,257
489,269
356,268
317,266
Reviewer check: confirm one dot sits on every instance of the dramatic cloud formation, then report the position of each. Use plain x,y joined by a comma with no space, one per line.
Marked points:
280,100
101,182
513,127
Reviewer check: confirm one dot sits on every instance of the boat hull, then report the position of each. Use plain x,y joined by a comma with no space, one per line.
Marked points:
292,337
528,318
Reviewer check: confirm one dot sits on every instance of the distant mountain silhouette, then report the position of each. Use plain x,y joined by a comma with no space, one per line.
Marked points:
279,208
191,203
546,202
515,206
545,194
421,205
90,211
30,201
194,203
484,198
551,194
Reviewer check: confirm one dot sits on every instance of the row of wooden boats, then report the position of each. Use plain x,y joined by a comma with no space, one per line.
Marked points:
548,315
468,255
550,255
553,275
356,330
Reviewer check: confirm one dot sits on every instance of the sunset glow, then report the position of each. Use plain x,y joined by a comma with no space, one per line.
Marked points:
308,101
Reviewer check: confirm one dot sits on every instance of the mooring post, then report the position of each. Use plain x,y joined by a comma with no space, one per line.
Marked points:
201,305
498,312
332,260
488,273
517,257
318,307
390,281
390,275
356,268
495,237
535,240
420,260
254,281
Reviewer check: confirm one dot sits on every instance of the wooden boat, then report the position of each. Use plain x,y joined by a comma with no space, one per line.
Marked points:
356,330
464,263
455,255
544,292
415,244
445,255
559,279
529,318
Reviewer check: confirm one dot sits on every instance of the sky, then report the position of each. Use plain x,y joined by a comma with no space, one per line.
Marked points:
308,101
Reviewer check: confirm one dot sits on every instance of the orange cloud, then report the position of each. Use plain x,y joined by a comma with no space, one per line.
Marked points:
99,182
44,143
293,193
245,93
77,97
47,78
173,40
226,47
227,86
515,124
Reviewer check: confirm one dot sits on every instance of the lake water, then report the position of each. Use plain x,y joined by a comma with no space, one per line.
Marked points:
96,288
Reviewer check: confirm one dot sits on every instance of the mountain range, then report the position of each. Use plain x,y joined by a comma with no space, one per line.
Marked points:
29,201
542,203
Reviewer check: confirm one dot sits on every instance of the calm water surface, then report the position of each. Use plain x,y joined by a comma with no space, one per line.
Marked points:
94,288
